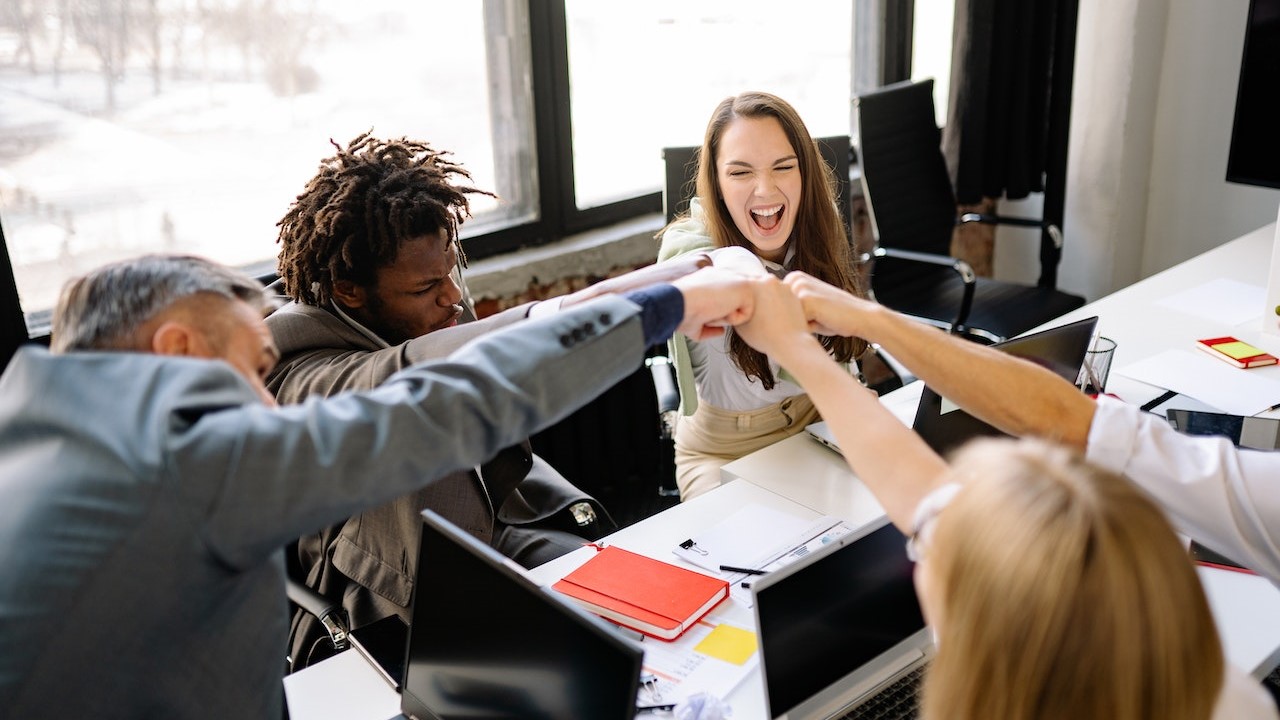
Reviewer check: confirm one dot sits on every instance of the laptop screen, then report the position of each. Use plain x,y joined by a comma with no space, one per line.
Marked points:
1060,349
823,619
485,641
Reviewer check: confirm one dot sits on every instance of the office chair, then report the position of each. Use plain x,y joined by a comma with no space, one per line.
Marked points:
913,214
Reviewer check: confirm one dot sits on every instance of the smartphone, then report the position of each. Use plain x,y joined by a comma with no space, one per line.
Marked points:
1204,556
1238,353
1255,433
385,645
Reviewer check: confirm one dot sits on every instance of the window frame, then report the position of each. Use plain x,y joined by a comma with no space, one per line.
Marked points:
558,215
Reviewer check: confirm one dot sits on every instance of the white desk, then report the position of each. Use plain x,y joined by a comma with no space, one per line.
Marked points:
801,477
1246,607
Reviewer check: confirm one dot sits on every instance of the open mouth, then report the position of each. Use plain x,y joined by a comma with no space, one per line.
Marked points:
768,219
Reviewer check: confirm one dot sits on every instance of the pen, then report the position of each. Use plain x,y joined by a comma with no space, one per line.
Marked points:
749,571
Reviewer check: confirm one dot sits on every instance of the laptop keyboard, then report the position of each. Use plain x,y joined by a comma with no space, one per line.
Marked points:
901,700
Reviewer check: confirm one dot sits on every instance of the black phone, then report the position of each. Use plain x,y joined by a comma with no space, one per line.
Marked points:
385,644
1205,556
1255,433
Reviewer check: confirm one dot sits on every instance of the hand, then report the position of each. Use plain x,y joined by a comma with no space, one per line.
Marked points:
778,327
714,298
830,310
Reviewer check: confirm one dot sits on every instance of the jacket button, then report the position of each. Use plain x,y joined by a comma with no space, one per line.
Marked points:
578,334
566,341
590,328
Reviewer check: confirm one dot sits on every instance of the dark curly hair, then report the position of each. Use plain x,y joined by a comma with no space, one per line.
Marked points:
361,206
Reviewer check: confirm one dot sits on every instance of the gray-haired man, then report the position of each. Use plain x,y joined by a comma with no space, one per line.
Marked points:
148,484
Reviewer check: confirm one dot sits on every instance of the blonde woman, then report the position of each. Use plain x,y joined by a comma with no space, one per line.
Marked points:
1055,589
762,186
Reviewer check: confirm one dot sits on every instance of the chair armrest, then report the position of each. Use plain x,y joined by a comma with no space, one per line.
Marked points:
330,614
1055,233
961,268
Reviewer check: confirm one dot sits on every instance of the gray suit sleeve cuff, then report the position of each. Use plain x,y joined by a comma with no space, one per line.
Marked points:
661,310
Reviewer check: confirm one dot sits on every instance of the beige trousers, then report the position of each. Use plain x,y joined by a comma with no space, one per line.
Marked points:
711,438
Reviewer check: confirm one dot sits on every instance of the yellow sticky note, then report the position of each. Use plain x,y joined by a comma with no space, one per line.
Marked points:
728,643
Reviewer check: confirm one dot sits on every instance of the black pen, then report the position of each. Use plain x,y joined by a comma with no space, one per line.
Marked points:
749,571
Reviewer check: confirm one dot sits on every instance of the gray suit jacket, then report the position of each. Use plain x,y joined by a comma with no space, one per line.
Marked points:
321,354
144,501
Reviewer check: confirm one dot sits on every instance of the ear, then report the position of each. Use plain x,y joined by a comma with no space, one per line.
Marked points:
174,338
348,293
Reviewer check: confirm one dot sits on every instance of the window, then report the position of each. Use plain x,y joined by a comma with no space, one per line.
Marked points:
647,75
191,125
931,49
175,126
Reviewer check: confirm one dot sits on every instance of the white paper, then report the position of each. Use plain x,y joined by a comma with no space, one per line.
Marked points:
681,671
752,537
1230,389
1230,302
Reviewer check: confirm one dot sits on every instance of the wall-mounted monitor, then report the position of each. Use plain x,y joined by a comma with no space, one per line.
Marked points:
1254,157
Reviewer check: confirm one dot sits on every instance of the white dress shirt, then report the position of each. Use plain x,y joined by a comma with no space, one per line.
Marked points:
1224,497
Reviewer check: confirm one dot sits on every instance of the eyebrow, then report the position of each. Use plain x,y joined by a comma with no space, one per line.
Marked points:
742,163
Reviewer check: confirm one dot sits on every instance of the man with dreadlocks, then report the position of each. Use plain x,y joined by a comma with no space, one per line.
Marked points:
370,258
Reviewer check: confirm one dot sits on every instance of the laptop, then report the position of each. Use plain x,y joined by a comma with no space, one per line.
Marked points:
485,641
840,629
944,427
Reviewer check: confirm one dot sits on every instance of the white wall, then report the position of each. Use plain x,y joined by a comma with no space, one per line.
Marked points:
1155,84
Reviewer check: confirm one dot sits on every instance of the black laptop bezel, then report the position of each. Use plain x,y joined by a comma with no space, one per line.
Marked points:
944,432
416,708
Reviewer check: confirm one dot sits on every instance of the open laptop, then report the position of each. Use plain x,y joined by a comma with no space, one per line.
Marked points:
945,427
841,630
485,641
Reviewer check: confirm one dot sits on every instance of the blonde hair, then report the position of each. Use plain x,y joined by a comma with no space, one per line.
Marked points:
1063,593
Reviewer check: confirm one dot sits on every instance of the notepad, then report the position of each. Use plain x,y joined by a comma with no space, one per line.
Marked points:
654,597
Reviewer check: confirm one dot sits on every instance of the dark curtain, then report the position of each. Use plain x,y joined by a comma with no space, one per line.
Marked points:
998,134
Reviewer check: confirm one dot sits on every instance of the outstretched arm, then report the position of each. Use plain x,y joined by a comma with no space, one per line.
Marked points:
893,461
1012,394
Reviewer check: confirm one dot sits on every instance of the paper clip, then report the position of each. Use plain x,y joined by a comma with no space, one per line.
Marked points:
691,545
649,688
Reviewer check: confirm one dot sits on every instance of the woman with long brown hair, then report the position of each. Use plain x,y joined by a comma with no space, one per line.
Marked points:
762,186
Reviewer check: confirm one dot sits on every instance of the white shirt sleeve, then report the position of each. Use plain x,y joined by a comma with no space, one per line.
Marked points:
1225,497
1243,698
545,307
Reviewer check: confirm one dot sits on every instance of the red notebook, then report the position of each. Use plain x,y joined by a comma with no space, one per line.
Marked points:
651,596
1240,354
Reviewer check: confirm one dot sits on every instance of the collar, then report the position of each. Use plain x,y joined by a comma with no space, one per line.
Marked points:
355,325
775,268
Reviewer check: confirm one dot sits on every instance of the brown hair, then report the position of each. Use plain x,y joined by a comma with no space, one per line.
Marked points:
1063,593
361,206
819,238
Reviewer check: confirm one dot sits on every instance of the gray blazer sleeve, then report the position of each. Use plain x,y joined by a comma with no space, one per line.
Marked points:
333,365
288,471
